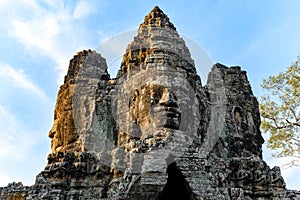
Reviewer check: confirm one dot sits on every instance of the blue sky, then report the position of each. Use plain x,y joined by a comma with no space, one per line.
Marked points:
38,38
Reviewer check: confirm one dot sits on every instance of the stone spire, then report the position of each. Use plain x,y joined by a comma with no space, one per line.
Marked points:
72,116
76,64
157,42
157,18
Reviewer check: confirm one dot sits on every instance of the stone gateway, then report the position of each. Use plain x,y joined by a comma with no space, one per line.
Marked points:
154,132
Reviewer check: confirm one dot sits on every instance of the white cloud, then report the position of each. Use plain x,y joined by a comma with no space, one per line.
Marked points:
20,80
4,179
38,34
15,139
44,30
83,9
50,29
55,3
18,145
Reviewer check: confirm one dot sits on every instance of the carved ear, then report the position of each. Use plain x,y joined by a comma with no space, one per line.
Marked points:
133,106
133,98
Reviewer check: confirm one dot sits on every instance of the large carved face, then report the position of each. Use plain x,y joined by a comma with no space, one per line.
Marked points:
62,133
153,107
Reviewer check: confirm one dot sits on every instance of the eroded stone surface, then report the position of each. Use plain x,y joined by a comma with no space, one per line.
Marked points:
14,191
154,132
75,110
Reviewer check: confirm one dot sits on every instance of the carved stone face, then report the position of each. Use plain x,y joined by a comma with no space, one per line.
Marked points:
153,107
62,133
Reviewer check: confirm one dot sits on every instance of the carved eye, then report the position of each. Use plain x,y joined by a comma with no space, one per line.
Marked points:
152,101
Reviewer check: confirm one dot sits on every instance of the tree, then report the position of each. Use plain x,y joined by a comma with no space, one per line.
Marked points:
280,111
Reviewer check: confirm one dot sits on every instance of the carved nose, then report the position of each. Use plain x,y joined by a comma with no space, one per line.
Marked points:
51,133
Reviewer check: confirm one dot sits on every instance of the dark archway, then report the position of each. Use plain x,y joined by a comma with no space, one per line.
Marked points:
176,188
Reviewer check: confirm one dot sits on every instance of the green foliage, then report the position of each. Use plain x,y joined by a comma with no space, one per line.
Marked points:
280,111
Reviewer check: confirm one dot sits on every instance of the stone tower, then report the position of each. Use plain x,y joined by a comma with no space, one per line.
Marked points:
154,131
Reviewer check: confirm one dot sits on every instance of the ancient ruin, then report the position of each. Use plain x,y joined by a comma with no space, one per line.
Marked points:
154,131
